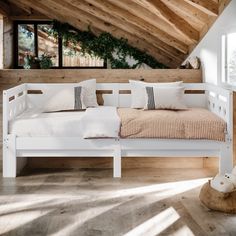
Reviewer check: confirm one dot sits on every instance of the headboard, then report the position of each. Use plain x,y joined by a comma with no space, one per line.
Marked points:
113,94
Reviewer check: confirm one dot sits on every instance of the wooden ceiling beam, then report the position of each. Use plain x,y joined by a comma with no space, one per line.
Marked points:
186,9
126,18
4,8
27,13
151,18
28,10
104,24
94,11
162,10
51,14
210,7
223,4
30,17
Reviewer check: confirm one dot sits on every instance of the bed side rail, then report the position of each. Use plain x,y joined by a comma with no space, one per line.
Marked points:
14,103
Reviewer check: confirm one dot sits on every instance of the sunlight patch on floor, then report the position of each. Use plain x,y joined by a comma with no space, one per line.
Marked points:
19,219
184,231
7,208
83,217
156,224
162,190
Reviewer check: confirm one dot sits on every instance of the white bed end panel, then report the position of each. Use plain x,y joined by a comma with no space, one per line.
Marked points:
14,103
220,102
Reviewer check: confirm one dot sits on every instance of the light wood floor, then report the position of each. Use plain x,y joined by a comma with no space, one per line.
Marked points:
90,202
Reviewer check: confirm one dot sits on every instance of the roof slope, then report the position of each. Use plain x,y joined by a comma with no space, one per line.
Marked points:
166,29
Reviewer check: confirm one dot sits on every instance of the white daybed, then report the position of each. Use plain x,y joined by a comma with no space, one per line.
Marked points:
16,149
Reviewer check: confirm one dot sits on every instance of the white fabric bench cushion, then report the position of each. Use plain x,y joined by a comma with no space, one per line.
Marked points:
37,124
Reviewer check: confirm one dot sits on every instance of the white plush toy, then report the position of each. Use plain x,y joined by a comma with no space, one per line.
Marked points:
232,178
225,183
222,184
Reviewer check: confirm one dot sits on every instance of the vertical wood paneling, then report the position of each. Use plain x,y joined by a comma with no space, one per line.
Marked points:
7,43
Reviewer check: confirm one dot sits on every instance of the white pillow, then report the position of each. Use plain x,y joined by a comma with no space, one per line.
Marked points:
83,93
138,92
65,99
171,98
89,92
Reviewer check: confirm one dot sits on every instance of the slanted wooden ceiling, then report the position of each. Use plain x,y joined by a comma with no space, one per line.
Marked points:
166,29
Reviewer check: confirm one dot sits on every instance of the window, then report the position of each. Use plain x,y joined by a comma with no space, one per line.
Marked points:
47,44
229,58
26,41
34,38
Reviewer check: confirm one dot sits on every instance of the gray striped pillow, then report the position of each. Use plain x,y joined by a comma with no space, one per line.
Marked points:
78,104
171,98
150,98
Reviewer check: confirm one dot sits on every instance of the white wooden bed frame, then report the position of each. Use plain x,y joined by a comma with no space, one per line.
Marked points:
16,149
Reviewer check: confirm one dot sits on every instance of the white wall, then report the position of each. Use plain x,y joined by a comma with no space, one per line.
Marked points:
1,41
209,49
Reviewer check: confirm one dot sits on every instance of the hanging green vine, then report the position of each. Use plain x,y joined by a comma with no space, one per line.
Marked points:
104,46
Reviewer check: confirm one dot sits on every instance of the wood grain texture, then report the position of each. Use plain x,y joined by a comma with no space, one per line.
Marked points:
149,17
12,77
180,24
89,202
7,43
210,6
4,9
90,13
127,162
136,21
166,30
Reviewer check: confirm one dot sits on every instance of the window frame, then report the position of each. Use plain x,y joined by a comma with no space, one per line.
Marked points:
60,47
225,59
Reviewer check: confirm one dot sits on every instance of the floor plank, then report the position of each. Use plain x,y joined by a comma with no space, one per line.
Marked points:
90,202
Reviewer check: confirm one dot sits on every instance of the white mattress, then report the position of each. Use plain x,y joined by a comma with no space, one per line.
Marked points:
37,124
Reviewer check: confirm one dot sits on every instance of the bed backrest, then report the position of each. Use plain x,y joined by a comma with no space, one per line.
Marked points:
113,94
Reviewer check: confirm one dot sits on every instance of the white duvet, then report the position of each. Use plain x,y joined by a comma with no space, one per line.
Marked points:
100,122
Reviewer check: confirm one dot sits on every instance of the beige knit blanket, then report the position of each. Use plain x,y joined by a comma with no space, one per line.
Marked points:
194,123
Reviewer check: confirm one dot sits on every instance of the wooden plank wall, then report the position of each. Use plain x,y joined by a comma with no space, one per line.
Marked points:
7,43
13,77
9,78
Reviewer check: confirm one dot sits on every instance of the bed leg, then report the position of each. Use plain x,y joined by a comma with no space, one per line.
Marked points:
226,158
117,163
9,157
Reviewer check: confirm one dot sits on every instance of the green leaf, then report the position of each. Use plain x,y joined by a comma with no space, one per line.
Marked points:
104,46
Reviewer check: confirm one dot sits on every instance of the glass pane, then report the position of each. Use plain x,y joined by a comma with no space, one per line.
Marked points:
26,43
73,57
231,58
47,44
